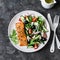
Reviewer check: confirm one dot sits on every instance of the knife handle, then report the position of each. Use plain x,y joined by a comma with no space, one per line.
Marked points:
57,42
52,48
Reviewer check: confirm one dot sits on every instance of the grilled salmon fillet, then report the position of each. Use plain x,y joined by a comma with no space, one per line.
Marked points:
21,34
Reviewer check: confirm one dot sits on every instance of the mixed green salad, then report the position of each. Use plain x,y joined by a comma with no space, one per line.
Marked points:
35,30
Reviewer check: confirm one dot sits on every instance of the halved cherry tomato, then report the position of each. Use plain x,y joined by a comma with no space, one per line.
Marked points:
20,19
35,46
30,31
26,17
44,35
34,19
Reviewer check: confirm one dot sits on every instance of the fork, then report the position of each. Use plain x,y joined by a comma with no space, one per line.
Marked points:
55,24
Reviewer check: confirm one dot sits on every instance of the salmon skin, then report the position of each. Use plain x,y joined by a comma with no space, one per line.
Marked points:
21,34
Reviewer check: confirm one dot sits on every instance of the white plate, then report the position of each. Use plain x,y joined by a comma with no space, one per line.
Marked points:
12,26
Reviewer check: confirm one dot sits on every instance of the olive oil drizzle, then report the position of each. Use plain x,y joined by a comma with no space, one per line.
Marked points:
49,1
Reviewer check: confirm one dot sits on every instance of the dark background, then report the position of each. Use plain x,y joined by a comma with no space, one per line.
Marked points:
9,8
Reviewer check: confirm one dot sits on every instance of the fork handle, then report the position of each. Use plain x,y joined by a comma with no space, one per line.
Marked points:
52,48
57,42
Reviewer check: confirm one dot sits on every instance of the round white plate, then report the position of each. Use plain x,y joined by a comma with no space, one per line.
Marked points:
12,26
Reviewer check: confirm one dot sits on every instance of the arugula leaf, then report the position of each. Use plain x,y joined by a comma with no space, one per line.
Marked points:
28,25
41,41
36,39
30,18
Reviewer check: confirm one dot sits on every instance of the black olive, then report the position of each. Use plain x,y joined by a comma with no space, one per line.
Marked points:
33,27
44,39
29,35
26,22
39,33
28,41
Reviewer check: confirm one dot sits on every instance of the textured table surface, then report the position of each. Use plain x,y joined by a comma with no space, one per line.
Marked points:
9,8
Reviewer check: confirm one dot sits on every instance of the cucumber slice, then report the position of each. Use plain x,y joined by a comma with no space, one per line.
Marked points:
29,46
22,18
45,29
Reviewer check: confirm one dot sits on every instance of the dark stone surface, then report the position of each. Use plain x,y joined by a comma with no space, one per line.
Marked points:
8,8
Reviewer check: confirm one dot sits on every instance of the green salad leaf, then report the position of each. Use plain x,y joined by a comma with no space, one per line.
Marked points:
33,41
13,37
30,18
45,29
28,25
41,21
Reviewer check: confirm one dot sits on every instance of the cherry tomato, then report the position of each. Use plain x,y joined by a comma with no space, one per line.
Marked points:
34,19
35,46
30,31
44,35
26,17
20,19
